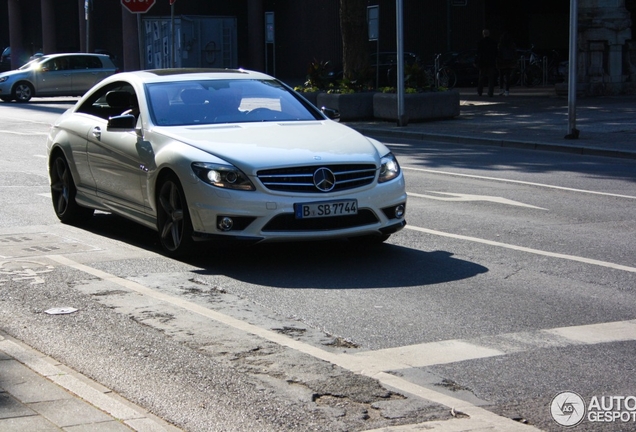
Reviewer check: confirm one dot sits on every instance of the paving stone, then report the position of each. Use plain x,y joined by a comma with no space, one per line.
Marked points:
70,412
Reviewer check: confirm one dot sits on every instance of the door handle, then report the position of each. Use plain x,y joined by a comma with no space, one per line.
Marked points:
97,132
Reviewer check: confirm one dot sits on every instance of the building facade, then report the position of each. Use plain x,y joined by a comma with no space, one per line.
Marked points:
282,37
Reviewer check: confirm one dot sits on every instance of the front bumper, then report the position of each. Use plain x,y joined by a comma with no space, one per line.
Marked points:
261,216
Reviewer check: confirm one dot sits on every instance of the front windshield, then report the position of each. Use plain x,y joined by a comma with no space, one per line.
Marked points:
225,101
31,64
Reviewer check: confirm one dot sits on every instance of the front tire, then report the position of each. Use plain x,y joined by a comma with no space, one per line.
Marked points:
173,219
447,78
63,192
23,92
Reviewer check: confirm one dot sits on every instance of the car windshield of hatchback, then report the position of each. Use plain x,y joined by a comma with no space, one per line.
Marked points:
32,64
225,101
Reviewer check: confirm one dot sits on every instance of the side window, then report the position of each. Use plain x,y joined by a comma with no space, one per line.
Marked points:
93,63
111,100
85,62
56,64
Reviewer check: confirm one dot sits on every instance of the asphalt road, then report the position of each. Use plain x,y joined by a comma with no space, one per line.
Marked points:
513,281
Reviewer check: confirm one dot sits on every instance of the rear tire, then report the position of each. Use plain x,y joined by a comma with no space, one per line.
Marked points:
63,192
532,76
173,219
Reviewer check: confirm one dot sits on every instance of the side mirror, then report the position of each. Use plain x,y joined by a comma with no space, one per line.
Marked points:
122,123
331,114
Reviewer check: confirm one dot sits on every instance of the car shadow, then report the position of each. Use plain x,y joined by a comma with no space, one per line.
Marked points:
337,264
45,106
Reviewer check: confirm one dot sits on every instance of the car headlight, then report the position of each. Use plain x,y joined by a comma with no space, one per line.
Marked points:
3,79
389,168
223,176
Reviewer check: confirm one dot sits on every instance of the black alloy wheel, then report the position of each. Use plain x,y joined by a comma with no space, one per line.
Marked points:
173,219
63,193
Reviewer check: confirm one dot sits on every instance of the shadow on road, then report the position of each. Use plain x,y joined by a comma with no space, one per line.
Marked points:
44,106
325,264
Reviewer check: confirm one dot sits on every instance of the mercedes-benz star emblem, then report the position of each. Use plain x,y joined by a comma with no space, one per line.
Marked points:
324,179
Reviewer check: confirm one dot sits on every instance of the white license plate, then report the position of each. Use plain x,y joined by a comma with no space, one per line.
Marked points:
326,209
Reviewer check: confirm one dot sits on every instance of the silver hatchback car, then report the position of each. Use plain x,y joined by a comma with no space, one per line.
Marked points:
55,75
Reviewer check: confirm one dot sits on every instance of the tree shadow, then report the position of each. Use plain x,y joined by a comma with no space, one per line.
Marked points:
527,119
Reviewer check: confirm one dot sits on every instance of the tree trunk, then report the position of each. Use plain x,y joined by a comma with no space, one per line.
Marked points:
353,27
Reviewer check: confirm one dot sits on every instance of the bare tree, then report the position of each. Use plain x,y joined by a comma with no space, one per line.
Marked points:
353,27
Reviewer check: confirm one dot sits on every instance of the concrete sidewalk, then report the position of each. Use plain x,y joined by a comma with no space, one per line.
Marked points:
531,118
38,393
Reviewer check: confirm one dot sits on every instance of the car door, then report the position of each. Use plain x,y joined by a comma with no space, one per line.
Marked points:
53,77
114,160
86,71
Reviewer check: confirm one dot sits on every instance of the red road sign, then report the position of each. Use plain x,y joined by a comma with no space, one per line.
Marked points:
138,6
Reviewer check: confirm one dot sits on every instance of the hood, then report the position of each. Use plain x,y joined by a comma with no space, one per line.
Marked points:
278,144
13,72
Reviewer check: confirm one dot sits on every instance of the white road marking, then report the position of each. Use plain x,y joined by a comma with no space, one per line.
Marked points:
456,197
421,355
519,182
618,331
525,249
375,364
23,133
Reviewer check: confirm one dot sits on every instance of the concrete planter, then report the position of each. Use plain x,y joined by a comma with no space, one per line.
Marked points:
311,97
418,107
352,106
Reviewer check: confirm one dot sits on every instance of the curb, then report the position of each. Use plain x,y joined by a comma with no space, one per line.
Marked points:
82,387
518,144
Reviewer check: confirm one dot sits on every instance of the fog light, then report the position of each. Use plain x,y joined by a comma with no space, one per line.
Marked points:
226,223
399,211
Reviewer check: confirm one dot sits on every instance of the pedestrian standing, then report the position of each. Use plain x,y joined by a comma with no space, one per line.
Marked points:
486,62
506,61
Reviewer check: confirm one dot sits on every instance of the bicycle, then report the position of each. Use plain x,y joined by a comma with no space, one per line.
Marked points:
529,72
440,74
554,69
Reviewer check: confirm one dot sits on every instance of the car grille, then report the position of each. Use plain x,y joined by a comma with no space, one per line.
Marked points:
287,222
301,179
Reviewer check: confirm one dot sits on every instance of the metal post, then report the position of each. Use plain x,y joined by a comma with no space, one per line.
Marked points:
87,5
141,43
402,120
173,54
573,133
